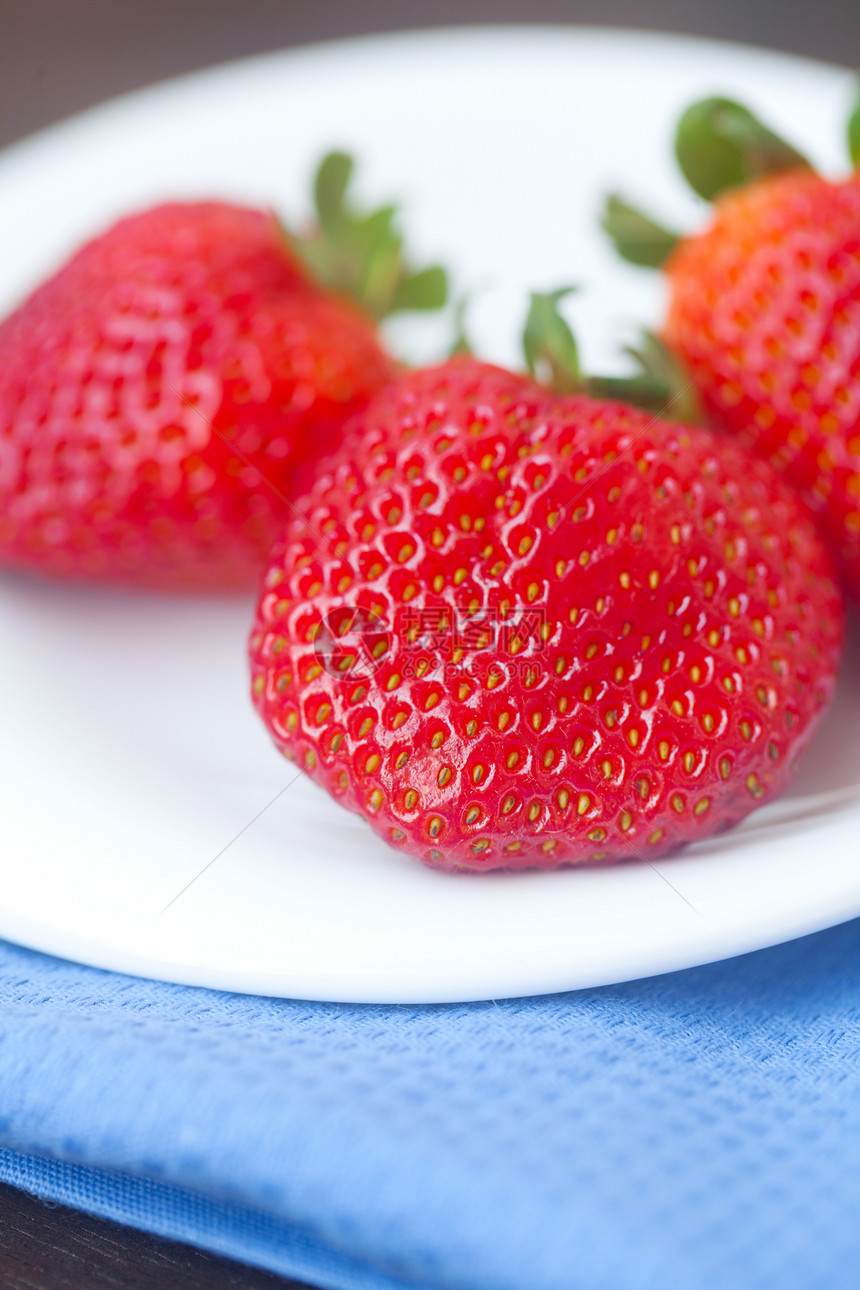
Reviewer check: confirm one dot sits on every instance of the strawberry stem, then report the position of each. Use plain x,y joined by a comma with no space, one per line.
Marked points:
720,145
637,238
360,254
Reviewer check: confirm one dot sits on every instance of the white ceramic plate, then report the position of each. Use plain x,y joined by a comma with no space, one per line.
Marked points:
129,755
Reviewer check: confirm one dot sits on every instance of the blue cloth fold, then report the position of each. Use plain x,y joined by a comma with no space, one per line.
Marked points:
698,1130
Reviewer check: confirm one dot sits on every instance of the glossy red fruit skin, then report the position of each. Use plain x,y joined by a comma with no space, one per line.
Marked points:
679,620
765,312
159,394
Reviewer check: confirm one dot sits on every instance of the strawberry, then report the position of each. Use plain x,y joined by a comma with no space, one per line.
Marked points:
764,308
159,394
515,629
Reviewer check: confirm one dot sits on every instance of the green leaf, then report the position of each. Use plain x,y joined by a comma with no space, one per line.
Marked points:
721,145
549,347
330,184
425,289
360,253
637,238
377,227
382,270
660,368
854,132
461,344
642,391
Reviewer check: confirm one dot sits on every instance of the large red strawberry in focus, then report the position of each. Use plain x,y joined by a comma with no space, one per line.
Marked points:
516,630
764,305
160,393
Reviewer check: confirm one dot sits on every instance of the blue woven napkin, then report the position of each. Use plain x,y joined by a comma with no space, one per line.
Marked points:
696,1130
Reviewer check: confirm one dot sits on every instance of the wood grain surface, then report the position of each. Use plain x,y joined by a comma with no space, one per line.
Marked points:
57,56
53,1248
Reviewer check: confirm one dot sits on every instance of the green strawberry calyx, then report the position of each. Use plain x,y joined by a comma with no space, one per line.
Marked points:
719,145
661,385
637,238
360,253
549,346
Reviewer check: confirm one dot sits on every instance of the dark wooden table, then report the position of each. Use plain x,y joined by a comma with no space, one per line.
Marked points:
47,1246
60,55
57,56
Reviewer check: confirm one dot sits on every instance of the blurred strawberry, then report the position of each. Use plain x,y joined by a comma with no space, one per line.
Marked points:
160,393
764,304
